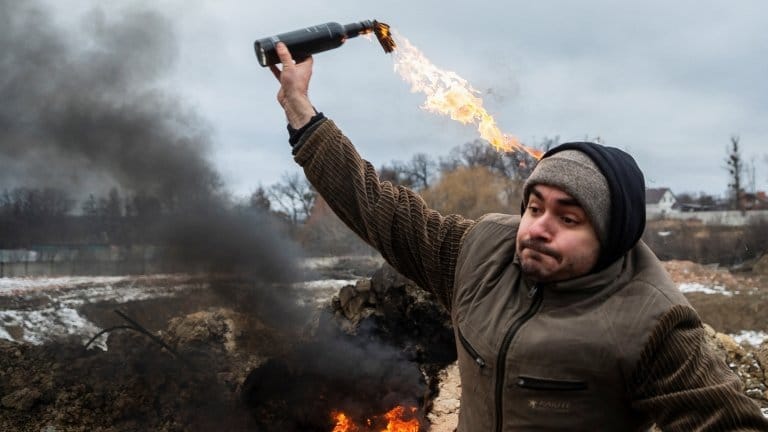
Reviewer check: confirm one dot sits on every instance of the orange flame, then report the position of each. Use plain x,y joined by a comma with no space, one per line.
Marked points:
397,424
449,94
344,423
397,421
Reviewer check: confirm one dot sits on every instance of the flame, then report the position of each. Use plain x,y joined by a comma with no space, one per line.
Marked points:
449,94
344,423
397,421
397,424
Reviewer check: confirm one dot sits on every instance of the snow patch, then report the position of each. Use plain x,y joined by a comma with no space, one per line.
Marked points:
325,284
42,325
14,285
751,337
706,289
320,292
52,304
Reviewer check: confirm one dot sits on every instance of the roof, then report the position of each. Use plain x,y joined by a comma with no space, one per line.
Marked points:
653,196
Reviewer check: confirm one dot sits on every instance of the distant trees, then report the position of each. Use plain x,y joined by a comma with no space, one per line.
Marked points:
32,215
416,174
33,203
110,206
470,191
473,179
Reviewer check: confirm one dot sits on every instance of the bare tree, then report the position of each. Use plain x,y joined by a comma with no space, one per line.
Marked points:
516,165
111,206
294,196
477,153
395,173
416,174
734,166
90,206
259,200
421,170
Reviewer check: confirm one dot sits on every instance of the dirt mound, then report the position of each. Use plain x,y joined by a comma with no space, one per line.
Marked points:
691,272
749,363
135,385
761,266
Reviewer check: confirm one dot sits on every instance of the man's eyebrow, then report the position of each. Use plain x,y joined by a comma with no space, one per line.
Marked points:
568,202
537,193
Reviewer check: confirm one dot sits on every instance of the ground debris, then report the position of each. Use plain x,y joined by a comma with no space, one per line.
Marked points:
134,385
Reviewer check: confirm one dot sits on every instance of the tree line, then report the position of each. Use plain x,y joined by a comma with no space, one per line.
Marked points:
472,179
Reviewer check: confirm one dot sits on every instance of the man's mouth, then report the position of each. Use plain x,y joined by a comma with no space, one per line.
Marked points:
540,248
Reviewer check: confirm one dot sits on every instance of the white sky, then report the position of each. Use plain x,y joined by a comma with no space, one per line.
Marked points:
668,81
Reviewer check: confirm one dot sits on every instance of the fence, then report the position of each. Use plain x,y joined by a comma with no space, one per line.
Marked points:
88,260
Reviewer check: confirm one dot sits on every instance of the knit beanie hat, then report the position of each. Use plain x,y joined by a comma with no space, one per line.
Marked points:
574,173
608,185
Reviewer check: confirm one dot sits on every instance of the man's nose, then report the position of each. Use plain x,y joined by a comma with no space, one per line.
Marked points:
542,227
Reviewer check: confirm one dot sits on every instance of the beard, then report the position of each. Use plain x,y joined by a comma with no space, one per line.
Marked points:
533,263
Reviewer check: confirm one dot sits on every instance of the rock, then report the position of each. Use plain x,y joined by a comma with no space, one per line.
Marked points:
731,347
762,358
21,400
204,328
761,265
748,365
352,302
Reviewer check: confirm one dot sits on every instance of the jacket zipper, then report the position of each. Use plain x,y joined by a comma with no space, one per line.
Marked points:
472,352
550,384
537,296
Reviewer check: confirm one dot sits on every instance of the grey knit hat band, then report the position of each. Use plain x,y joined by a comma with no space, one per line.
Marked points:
577,175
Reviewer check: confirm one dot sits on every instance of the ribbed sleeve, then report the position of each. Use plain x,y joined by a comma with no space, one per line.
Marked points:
417,241
683,386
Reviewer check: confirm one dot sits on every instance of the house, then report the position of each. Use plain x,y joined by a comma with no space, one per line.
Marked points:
659,202
753,201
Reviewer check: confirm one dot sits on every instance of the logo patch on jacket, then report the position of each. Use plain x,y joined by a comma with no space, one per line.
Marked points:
549,405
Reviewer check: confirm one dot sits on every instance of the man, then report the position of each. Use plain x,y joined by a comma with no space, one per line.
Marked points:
564,319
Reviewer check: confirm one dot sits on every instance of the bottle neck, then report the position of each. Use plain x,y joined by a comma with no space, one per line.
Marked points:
358,28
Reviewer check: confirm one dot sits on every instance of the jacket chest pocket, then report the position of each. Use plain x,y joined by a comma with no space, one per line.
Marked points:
555,402
555,385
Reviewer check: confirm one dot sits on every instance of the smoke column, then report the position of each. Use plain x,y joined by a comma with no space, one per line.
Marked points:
86,111
86,107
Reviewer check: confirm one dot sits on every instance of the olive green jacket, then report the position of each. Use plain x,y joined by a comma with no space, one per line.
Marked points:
616,350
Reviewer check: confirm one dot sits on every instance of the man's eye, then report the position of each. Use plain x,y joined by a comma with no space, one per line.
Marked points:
569,220
533,209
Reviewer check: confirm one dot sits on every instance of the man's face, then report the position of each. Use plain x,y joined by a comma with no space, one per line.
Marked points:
556,240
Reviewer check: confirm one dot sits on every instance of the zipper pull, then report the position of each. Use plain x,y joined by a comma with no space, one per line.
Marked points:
532,291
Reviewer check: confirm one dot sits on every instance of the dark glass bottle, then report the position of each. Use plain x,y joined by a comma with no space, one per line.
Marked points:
307,41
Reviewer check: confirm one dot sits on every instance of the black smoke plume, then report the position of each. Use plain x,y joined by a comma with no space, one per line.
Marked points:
88,109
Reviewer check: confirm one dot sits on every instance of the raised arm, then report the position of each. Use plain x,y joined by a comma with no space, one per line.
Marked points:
419,242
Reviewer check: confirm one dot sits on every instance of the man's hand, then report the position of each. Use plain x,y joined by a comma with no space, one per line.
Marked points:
294,85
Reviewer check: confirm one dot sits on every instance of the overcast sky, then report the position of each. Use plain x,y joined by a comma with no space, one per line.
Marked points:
670,82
